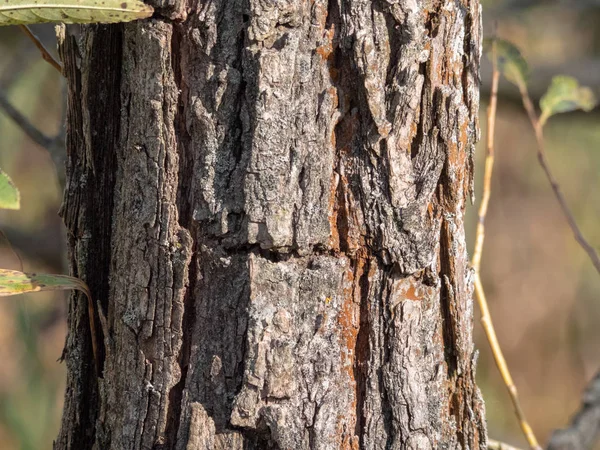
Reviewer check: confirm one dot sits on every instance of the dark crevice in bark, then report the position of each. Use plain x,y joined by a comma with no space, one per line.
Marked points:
446,305
185,212
344,79
105,134
432,24
188,326
362,350
228,54
333,17
259,440
342,217
237,140
384,295
273,254
186,160
91,146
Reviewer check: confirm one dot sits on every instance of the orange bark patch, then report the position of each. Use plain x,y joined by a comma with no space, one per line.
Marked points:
464,145
457,160
326,49
413,294
348,325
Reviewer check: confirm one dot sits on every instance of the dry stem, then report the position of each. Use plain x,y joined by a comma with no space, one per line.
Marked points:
45,53
541,154
488,326
486,319
487,176
497,445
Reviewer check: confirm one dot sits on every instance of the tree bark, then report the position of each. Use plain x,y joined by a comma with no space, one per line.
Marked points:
266,199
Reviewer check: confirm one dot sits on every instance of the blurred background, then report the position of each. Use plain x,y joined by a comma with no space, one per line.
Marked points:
542,289
544,293
32,327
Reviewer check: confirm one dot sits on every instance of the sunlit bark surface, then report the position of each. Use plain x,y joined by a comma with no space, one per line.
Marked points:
267,201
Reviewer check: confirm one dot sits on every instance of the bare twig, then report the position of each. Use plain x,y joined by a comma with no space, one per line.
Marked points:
541,154
43,50
497,445
489,167
584,430
486,319
55,145
488,327
28,128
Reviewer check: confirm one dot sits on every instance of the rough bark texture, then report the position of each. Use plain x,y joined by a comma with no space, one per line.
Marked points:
584,430
266,198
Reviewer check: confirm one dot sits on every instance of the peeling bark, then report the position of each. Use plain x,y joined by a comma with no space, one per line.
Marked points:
267,200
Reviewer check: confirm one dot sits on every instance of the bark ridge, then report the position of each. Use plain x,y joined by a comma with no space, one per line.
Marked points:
267,199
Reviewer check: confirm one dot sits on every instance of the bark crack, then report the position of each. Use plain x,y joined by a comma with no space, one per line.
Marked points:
185,220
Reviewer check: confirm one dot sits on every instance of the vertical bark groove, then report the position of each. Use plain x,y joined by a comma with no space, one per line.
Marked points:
89,235
283,196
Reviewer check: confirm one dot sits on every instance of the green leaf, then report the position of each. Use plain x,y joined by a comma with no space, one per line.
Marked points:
22,12
13,282
511,63
9,194
565,94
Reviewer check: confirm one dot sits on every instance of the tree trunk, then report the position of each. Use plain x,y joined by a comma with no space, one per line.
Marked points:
267,201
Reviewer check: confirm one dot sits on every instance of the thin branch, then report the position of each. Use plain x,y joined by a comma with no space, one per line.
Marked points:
28,128
584,430
55,145
486,319
541,154
490,332
497,445
489,167
43,50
